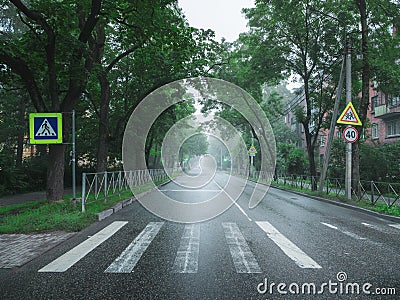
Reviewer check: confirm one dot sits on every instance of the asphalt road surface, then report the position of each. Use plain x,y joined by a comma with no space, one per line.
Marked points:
288,247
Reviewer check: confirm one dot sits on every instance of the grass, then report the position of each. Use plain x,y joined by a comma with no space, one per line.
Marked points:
42,216
378,206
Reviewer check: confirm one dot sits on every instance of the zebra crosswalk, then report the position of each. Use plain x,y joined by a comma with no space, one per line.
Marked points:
64,262
131,255
242,256
187,256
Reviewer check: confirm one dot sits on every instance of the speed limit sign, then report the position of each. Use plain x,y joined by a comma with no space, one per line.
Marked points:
350,134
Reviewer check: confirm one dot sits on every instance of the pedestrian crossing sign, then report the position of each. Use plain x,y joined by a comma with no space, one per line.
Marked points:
349,116
45,128
252,151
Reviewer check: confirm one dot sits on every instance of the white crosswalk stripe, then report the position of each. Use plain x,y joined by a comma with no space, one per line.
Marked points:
128,259
186,260
64,262
290,249
242,257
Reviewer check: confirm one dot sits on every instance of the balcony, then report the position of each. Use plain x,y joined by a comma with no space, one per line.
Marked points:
387,111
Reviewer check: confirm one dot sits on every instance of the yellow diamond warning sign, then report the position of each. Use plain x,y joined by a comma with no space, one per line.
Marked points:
349,116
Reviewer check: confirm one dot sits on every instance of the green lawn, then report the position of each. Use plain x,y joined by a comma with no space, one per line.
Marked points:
378,207
41,216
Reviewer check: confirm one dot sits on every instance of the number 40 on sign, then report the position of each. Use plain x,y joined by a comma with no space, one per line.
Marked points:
350,134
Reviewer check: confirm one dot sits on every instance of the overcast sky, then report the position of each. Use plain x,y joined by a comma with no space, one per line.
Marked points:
222,16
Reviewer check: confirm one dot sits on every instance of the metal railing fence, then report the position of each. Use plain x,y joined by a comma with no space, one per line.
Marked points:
370,192
97,186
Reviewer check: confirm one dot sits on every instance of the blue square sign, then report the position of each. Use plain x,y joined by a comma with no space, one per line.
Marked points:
45,128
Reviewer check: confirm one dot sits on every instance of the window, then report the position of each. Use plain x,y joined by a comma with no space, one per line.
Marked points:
375,133
338,133
393,128
395,101
293,124
374,102
322,141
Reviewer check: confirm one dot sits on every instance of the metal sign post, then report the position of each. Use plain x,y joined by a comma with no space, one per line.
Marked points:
252,152
46,128
73,161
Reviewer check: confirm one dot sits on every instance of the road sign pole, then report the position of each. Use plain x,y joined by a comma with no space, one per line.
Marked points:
348,100
73,157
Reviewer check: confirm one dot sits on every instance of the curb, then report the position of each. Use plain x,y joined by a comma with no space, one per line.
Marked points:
346,205
120,205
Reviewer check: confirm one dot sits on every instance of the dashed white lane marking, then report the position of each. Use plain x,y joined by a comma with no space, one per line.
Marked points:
370,225
67,260
234,202
132,254
215,191
290,249
395,225
242,257
186,260
348,233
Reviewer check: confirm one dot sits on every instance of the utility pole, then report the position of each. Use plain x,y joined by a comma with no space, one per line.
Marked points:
348,100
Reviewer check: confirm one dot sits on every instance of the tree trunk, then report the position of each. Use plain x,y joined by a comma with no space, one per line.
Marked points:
310,153
21,134
102,149
148,149
55,173
355,172
363,107
155,158
311,164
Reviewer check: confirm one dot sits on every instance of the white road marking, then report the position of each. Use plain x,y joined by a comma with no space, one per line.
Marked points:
369,225
242,257
290,249
375,227
395,225
68,259
234,202
132,254
186,260
330,226
215,191
348,233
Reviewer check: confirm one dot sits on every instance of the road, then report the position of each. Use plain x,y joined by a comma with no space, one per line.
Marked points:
287,244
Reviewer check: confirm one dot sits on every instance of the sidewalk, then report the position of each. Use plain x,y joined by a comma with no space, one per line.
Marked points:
28,197
18,249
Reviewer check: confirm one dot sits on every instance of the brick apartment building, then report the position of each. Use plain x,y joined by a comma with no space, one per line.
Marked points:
383,115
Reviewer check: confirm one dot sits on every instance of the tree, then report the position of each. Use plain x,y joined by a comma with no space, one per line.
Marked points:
288,38
155,49
291,160
50,59
195,145
376,18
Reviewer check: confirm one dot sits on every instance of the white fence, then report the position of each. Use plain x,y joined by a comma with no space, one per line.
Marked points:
97,186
